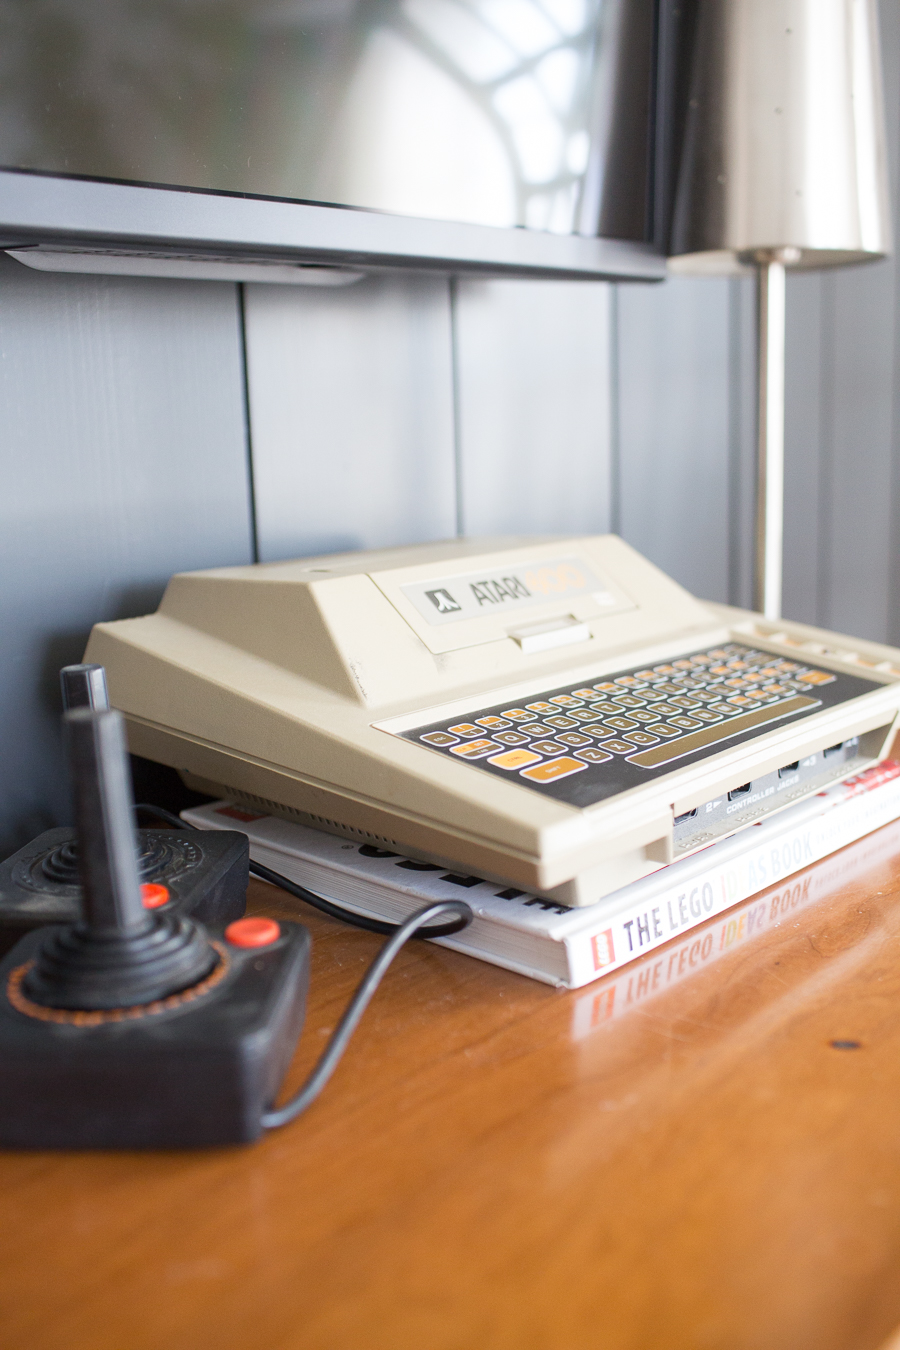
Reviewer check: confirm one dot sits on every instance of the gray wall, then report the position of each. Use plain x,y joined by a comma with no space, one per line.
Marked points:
153,426
123,458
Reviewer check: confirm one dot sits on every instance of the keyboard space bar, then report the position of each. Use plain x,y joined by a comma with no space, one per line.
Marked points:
698,740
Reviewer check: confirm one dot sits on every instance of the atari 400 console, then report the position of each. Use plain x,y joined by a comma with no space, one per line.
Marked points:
555,714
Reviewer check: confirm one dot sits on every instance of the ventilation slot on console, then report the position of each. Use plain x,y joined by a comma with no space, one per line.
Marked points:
306,817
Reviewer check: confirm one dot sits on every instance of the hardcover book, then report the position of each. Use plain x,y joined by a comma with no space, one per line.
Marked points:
538,937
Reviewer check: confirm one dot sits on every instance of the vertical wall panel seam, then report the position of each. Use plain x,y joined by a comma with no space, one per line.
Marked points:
615,439
248,421
893,559
735,423
456,407
890,38
825,504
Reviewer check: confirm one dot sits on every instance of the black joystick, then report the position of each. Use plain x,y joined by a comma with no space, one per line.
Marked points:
201,874
120,953
140,1028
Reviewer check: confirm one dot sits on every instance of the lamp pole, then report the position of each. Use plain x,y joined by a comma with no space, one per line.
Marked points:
770,293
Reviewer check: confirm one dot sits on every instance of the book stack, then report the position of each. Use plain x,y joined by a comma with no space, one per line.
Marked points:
544,940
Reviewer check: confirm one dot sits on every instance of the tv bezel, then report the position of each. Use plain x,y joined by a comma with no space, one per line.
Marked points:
97,215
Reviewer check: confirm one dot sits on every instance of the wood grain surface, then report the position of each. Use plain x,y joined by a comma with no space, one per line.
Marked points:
500,1165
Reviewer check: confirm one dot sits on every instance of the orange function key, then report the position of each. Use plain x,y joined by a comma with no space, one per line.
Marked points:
815,677
466,729
514,759
474,749
555,769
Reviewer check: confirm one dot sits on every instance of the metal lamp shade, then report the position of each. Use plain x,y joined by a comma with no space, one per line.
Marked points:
783,164
784,141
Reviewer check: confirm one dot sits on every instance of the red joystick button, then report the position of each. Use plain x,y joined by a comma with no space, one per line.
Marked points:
255,932
153,895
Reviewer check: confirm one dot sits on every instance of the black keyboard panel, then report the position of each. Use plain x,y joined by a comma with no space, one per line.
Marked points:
583,743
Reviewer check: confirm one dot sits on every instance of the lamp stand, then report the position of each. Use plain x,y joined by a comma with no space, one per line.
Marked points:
770,291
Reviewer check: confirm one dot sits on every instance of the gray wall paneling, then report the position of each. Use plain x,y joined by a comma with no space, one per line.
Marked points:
351,405
681,430
124,459
533,369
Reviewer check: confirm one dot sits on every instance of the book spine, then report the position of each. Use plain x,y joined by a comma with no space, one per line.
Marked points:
653,975
675,910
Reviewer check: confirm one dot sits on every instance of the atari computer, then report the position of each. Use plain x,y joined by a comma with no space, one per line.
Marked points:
551,713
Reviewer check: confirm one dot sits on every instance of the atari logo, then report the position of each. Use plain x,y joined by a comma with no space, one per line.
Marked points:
443,601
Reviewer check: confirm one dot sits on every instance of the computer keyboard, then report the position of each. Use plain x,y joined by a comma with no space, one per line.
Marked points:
610,735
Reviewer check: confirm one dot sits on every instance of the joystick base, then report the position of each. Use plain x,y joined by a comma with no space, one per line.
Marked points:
205,873
196,1069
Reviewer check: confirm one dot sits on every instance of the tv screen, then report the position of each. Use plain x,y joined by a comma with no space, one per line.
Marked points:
529,116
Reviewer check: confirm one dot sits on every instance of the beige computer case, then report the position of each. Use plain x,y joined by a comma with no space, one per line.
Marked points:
285,685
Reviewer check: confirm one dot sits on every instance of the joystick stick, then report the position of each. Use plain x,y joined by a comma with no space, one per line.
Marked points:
84,686
135,1027
202,875
121,953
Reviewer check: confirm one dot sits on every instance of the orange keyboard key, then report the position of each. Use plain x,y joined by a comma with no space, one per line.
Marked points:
514,759
554,769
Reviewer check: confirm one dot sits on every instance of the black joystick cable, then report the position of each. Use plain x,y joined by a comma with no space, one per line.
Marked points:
418,925
318,901
328,1060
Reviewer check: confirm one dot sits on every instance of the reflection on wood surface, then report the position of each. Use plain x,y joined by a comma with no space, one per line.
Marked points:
719,1168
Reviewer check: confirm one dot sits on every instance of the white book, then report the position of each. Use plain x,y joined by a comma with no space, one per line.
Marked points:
537,937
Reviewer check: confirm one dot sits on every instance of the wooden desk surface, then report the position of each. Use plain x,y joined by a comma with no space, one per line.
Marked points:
501,1166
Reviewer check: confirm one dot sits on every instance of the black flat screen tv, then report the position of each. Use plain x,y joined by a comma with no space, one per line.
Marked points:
474,136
